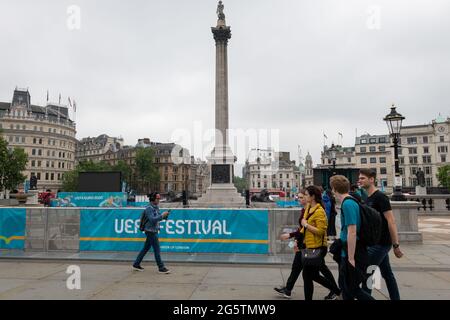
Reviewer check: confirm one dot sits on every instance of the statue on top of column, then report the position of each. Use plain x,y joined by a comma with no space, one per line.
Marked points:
220,13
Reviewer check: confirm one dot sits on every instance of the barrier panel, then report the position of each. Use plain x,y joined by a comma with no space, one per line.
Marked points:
90,199
186,230
12,228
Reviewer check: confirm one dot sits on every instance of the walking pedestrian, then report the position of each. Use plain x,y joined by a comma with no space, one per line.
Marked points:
151,230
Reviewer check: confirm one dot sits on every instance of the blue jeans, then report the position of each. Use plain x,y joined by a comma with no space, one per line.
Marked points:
379,255
152,241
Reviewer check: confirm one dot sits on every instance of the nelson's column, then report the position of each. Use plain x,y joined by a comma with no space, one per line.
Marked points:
222,191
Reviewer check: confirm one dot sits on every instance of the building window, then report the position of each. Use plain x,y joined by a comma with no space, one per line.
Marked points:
443,158
33,163
412,150
46,176
426,159
373,140
425,139
443,149
363,160
401,170
39,152
23,139
287,176
17,139
382,160
259,184
427,170
349,160
426,150
373,160
38,176
411,140
429,182
33,152
281,176
382,140
382,148
441,139
412,160
39,163
372,149
362,149
401,160
34,140
413,170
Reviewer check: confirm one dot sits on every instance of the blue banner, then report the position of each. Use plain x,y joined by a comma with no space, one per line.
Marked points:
12,228
90,199
287,204
226,231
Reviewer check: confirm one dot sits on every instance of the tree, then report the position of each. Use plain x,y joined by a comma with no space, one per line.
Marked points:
444,176
125,169
240,184
147,172
12,163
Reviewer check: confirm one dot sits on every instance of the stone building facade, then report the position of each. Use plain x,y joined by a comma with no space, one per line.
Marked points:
47,134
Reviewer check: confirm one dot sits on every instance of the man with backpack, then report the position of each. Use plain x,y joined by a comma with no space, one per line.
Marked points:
350,247
150,224
379,253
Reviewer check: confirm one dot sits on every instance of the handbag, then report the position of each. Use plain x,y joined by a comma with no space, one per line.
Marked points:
312,257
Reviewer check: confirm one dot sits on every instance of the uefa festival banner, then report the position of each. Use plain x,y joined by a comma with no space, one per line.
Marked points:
210,230
90,199
12,228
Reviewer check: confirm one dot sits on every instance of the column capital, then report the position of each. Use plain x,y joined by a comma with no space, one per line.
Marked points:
221,34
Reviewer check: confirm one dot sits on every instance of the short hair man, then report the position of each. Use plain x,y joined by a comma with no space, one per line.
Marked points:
151,231
354,262
379,254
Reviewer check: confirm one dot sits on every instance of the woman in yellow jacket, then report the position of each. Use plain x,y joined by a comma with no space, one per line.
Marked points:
315,228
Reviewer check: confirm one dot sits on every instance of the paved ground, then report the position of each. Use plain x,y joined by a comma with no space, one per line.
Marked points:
424,273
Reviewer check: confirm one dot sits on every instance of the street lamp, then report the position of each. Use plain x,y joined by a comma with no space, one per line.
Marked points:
333,151
394,122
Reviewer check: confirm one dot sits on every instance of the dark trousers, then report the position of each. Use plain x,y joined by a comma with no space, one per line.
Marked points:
379,256
350,280
152,241
311,275
295,271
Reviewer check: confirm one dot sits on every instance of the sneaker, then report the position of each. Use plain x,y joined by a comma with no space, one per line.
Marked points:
283,292
164,270
331,296
138,268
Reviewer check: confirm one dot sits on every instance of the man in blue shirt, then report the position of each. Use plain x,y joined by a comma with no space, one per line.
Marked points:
353,264
151,230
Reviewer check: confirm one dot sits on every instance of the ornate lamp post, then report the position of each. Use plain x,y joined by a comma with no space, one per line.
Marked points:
394,122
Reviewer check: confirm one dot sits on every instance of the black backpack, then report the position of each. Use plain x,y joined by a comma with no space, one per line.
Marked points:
371,224
143,221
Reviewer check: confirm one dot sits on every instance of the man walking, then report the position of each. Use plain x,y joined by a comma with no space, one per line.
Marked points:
151,230
379,254
353,254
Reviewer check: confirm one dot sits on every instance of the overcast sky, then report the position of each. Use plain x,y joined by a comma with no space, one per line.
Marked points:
145,68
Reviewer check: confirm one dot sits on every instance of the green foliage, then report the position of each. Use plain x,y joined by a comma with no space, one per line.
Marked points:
444,176
240,184
12,163
147,172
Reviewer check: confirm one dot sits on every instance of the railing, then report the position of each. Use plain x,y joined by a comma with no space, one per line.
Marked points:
432,203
